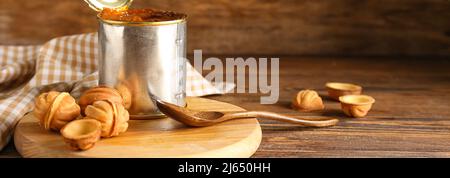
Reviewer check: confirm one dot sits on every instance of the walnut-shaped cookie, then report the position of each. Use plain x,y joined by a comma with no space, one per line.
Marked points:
112,115
81,134
55,109
307,100
97,94
124,91
356,105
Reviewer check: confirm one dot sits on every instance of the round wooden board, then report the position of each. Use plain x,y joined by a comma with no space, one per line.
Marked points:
152,138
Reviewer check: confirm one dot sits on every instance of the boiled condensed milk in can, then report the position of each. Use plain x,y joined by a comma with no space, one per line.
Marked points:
142,50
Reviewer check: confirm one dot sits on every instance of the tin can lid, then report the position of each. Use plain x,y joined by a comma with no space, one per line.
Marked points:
99,5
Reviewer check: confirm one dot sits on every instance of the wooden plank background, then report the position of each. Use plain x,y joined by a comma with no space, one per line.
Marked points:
267,27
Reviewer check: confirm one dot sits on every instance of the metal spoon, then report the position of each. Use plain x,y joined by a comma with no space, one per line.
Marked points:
208,118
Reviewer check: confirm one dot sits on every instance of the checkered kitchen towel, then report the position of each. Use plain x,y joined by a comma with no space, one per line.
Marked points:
64,64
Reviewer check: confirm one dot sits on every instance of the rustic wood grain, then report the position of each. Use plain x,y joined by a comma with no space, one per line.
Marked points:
410,119
290,27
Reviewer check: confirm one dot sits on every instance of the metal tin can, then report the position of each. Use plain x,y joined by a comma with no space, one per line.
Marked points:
144,57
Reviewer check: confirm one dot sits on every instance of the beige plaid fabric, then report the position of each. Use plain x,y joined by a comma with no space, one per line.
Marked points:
64,64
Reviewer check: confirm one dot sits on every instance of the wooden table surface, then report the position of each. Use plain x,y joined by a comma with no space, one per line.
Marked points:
411,117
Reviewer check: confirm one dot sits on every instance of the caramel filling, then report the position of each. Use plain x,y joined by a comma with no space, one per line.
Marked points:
53,107
139,15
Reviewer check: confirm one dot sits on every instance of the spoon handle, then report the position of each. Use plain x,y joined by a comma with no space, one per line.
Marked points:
282,118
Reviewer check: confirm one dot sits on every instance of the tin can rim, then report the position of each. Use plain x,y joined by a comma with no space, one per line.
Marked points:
157,23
